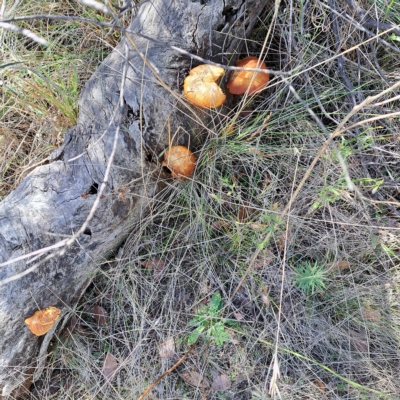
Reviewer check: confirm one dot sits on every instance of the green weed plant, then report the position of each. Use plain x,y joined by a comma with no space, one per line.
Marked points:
310,278
208,322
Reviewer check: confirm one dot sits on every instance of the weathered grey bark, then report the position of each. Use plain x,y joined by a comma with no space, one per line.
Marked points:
54,200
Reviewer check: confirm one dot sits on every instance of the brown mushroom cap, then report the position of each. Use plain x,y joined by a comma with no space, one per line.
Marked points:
240,81
180,161
42,321
200,86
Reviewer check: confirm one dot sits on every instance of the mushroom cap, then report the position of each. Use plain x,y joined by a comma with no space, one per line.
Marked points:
239,81
200,86
180,161
42,321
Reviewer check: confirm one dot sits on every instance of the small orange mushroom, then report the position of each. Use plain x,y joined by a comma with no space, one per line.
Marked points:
241,81
180,161
42,321
200,86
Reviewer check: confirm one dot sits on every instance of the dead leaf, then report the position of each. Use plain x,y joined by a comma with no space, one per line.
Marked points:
157,265
99,314
371,314
264,259
233,336
151,263
359,341
195,379
246,112
245,212
320,385
221,383
360,346
220,226
265,300
339,265
265,296
110,367
70,327
258,227
266,181
167,349
74,327
238,316
282,240
242,299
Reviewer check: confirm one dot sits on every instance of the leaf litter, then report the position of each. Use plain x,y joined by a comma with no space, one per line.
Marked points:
110,367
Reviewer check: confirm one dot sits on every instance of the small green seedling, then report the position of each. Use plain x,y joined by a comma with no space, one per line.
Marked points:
310,278
209,322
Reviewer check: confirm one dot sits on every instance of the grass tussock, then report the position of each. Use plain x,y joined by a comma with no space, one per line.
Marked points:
280,287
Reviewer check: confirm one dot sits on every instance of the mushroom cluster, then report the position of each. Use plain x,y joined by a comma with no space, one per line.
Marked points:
201,90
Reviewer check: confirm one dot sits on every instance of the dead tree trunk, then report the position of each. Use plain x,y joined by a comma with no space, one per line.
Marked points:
53,201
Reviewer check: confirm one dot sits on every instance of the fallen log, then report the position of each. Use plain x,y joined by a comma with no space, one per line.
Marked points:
69,215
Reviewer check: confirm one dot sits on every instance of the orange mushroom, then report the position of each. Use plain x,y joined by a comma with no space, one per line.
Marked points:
180,161
241,81
200,86
42,321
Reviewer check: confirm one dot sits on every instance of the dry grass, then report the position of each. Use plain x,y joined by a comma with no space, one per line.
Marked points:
40,86
342,342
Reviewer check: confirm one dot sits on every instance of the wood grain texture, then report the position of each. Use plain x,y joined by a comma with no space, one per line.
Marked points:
53,201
